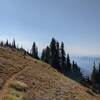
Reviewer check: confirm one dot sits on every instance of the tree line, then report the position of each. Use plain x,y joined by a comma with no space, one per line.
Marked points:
8,44
93,81
95,78
54,54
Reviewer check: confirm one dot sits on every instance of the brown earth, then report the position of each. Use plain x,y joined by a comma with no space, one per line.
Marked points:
42,81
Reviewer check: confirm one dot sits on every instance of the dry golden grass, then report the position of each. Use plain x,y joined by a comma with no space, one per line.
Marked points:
19,86
10,97
38,80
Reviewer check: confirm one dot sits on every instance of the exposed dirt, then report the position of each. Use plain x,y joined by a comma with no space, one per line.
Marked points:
44,82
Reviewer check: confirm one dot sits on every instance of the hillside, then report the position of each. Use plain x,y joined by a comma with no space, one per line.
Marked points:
24,78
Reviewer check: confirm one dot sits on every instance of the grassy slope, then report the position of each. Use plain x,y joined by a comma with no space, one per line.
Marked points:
44,82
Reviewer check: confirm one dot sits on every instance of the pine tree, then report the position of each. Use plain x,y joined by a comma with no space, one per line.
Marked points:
63,58
73,66
93,73
47,55
94,68
53,54
14,43
43,55
95,78
1,44
34,51
7,44
57,56
68,63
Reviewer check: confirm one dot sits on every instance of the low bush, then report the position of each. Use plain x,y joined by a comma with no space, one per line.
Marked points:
19,86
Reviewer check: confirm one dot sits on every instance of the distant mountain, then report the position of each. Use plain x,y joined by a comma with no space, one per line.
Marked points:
86,63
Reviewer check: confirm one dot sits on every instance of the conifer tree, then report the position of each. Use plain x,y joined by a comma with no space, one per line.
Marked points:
14,43
73,65
47,58
57,57
95,78
46,55
1,43
7,44
68,63
43,55
34,51
53,54
63,58
93,73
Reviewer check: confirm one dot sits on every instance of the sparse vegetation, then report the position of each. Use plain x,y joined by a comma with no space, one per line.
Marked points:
48,82
19,86
10,97
95,79
16,91
13,97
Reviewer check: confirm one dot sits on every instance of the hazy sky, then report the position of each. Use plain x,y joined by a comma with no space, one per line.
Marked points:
76,22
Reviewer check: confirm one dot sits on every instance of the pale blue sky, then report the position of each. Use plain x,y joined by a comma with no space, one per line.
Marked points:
76,22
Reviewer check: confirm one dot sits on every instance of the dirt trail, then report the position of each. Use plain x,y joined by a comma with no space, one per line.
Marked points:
11,79
44,82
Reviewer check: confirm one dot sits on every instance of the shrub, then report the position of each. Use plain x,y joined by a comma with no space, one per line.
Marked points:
19,86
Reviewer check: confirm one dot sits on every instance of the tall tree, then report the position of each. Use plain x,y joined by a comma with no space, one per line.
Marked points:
1,43
63,58
73,66
34,51
13,43
93,73
47,55
53,54
7,44
43,55
57,56
68,63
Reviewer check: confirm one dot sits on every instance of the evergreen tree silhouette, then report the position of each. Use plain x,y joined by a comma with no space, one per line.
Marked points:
93,73
14,43
63,58
75,67
95,78
53,52
1,43
57,56
47,55
7,43
34,51
43,55
68,63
